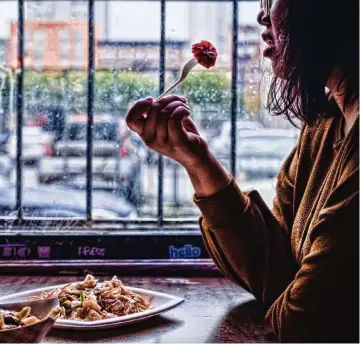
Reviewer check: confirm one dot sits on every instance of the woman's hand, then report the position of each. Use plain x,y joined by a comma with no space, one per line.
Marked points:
165,126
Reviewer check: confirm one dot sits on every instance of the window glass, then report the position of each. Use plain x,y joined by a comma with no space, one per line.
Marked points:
39,46
127,57
101,132
40,10
64,44
79,9
79,46
128,69
8,15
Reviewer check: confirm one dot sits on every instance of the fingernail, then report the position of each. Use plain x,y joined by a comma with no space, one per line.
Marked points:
183,98
149,99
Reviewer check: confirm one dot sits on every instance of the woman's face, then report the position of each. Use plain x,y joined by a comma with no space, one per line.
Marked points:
271,18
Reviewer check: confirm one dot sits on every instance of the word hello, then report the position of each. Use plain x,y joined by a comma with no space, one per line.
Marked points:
188,251
88,251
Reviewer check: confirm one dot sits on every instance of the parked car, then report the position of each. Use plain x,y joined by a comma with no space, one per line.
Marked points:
266,188
260,153
34,143
6,165
222,141
111,163
56,201
4,138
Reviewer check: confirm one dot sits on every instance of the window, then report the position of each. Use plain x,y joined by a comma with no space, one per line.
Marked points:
79,9
38,45
36,10
64,44
101,132
79,46
92,177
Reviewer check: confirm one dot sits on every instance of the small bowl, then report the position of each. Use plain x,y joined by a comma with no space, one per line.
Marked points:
34,333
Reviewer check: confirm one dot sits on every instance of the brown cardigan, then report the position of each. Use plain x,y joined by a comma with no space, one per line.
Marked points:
301,259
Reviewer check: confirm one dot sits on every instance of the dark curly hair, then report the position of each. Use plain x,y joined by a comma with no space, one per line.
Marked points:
318,35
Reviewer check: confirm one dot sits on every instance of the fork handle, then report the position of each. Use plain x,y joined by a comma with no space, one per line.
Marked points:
168,90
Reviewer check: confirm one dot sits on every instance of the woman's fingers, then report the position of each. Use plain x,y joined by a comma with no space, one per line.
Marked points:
171,98
190,126
176,130
149,132
135,117
163,118
155,128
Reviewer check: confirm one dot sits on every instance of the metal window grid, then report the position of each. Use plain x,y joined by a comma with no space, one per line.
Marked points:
160,222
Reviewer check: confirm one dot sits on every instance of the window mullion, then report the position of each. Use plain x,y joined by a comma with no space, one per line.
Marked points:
161,90
90,105
234,87
19,103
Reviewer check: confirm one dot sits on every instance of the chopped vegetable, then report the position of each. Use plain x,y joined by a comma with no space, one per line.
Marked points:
66,304
30,321
24,313
10,320
82,298
55,312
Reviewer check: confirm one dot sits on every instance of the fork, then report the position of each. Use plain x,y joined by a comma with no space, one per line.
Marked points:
184,73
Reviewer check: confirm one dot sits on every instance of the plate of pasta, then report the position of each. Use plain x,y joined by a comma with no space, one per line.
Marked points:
90,304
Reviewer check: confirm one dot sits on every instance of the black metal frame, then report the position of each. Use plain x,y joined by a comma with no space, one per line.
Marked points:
19,123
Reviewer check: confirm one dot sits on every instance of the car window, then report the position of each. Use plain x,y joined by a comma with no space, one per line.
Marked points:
272,145
102,131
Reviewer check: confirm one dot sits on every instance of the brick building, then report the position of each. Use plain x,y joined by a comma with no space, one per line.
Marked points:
51,45
140,56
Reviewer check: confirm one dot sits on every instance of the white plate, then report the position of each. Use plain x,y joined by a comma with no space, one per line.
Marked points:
161,303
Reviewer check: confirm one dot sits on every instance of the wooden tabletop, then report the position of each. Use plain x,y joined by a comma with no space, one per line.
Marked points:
215,310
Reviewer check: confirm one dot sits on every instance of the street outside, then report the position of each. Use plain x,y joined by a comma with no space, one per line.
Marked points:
178,192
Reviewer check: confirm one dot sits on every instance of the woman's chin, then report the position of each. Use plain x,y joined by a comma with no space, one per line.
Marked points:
269,52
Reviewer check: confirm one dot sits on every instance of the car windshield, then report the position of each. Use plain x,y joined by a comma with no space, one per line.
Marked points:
102,132
241,125
271,145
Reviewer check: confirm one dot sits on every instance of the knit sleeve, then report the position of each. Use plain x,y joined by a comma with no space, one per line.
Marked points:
249,243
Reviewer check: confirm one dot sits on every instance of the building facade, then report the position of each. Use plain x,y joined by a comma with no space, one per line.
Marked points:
70,10
50,45
140,56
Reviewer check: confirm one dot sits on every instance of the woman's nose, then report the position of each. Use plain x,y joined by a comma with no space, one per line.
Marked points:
262,18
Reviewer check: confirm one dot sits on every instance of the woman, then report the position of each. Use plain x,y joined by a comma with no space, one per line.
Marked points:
301,258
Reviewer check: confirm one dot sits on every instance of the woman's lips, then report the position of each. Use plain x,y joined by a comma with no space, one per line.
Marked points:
269,51
270,47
